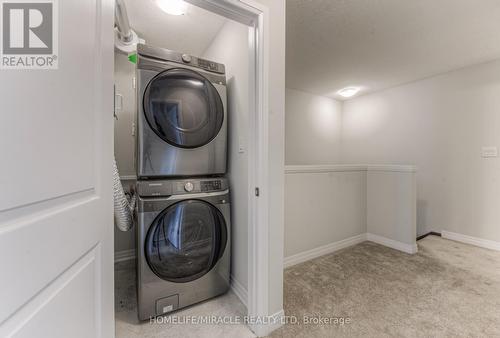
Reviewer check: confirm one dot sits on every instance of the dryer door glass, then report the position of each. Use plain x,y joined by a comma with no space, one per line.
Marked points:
183,108
185,241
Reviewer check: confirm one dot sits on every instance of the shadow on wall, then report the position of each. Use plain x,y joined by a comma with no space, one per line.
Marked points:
422,210
230,83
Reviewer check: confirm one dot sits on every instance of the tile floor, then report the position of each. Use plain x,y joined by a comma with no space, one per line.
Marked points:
128,325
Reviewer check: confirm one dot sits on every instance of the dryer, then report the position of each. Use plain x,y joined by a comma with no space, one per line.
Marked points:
181,115
183,241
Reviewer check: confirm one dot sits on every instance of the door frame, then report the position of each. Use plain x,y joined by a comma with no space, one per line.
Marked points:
256,17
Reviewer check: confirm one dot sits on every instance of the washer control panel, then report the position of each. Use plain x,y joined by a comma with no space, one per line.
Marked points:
214,185
157,188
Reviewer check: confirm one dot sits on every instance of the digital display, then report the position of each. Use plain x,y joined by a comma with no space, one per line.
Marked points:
207,64
211,185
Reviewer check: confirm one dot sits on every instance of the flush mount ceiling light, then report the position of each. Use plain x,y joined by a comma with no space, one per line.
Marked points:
348,91
173,7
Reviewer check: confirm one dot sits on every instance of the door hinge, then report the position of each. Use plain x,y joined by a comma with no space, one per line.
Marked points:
257,192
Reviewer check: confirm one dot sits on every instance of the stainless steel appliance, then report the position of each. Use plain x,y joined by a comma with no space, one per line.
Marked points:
182,118
183,241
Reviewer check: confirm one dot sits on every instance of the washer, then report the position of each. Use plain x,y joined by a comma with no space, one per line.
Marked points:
182,118
183,241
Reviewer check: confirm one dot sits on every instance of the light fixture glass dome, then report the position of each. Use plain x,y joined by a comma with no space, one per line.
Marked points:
173,7
348,91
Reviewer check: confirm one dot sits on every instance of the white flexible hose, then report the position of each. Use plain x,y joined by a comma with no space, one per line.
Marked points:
122,23
124,206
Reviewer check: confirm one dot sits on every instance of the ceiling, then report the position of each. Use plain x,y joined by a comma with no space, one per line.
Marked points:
376,44
190,33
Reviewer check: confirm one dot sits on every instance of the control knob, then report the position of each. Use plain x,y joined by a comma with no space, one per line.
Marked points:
188,186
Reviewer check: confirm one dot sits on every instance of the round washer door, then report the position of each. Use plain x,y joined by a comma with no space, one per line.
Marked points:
183,108
185,241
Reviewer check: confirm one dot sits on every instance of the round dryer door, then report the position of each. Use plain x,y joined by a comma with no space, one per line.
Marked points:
183,108
185,241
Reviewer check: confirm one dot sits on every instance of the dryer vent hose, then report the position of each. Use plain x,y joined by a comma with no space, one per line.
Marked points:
124,205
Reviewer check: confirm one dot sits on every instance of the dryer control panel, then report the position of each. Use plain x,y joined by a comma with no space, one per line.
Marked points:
173,56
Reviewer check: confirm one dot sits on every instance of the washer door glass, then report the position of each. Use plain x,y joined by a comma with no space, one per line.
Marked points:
185,241
183,108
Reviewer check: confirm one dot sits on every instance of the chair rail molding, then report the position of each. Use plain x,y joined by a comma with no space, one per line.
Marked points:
325,168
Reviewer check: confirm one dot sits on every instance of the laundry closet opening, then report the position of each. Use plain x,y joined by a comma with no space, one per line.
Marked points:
181,145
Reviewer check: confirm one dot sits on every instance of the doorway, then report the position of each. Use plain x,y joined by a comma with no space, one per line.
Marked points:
255,142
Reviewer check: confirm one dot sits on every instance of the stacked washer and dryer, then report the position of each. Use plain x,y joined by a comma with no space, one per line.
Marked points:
183,209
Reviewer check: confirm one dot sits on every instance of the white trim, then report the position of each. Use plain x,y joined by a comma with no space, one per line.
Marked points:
258,246
273,322
392,168
404,247
480,242
345,243
124,255
295,169
323,250
239,290
230,9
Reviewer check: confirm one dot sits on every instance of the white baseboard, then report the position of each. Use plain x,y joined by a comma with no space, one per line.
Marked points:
239,290
323,250
335,246
404,247
272,323
124,255
480,242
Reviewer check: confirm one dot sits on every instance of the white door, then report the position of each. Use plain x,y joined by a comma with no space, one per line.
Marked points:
56,150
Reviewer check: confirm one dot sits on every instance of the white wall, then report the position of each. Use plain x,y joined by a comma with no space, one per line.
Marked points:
323,207
439,124
124,140
329,207
230,47
391,206
313,128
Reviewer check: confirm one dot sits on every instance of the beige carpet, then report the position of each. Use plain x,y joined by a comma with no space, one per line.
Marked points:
448,289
